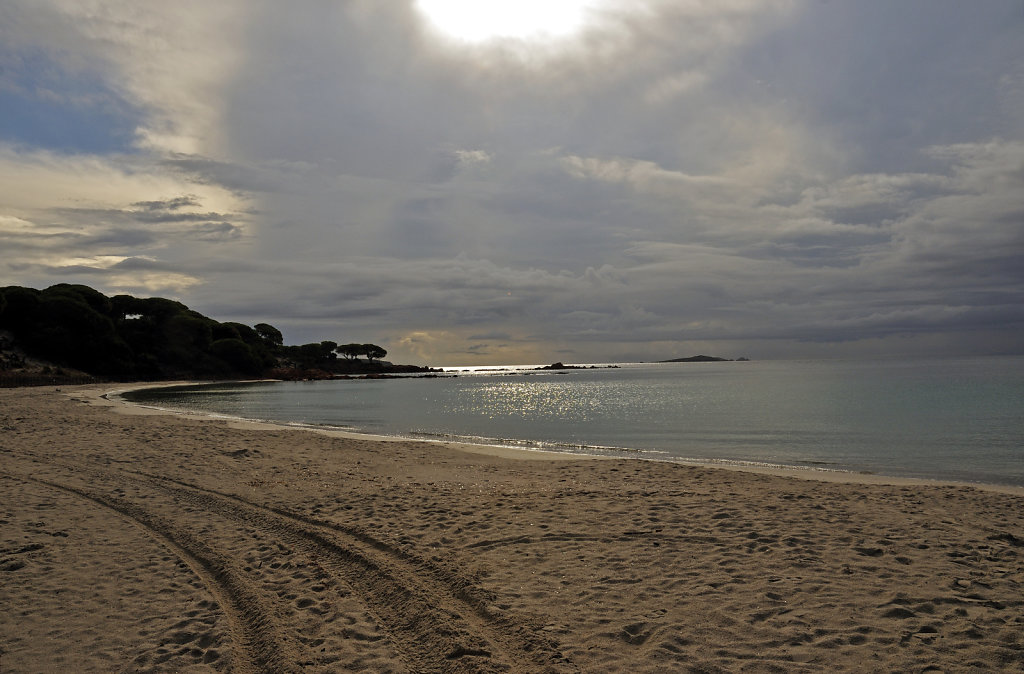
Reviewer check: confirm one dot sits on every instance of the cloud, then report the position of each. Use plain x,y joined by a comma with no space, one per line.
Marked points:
89,216
781,177
167,204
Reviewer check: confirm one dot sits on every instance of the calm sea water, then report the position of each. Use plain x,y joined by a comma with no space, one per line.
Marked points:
949,419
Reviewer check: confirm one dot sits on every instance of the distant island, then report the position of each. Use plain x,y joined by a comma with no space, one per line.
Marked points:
703,359
76,334
560,366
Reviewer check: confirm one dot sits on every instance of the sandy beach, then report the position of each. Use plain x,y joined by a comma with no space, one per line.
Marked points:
151,542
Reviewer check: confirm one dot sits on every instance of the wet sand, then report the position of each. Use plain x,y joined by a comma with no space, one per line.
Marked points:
144,542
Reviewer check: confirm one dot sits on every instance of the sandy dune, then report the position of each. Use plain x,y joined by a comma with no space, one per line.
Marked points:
162,543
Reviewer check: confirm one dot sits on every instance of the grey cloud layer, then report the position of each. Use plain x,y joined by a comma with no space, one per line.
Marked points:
781,178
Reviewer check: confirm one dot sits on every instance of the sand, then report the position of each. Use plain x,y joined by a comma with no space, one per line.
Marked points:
168,543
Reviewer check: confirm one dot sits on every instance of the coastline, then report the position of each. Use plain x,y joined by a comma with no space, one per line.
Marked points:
154,542
100,396
124,406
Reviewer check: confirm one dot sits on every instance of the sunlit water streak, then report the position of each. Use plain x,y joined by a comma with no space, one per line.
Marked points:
948,419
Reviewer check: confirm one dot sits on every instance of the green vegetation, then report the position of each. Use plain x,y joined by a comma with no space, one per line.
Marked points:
125,337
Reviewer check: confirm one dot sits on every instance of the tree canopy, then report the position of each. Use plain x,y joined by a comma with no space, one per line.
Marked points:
353,351
126,337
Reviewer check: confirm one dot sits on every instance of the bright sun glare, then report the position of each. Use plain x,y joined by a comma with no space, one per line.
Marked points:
482,20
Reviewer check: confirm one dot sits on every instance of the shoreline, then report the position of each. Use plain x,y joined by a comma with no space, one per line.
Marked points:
122,406
837,475
137,540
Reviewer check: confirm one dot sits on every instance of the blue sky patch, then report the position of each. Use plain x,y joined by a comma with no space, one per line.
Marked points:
43,105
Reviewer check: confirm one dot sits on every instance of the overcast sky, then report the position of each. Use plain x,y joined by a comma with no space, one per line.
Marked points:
646,179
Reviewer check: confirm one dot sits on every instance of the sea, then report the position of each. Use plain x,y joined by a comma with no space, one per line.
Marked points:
949,419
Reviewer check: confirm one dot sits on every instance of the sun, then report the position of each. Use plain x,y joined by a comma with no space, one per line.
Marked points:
483,20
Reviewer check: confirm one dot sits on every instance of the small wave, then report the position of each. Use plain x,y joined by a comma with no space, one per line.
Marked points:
545,445
818,466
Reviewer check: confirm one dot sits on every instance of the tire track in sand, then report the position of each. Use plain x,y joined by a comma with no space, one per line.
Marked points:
256,644
440,623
